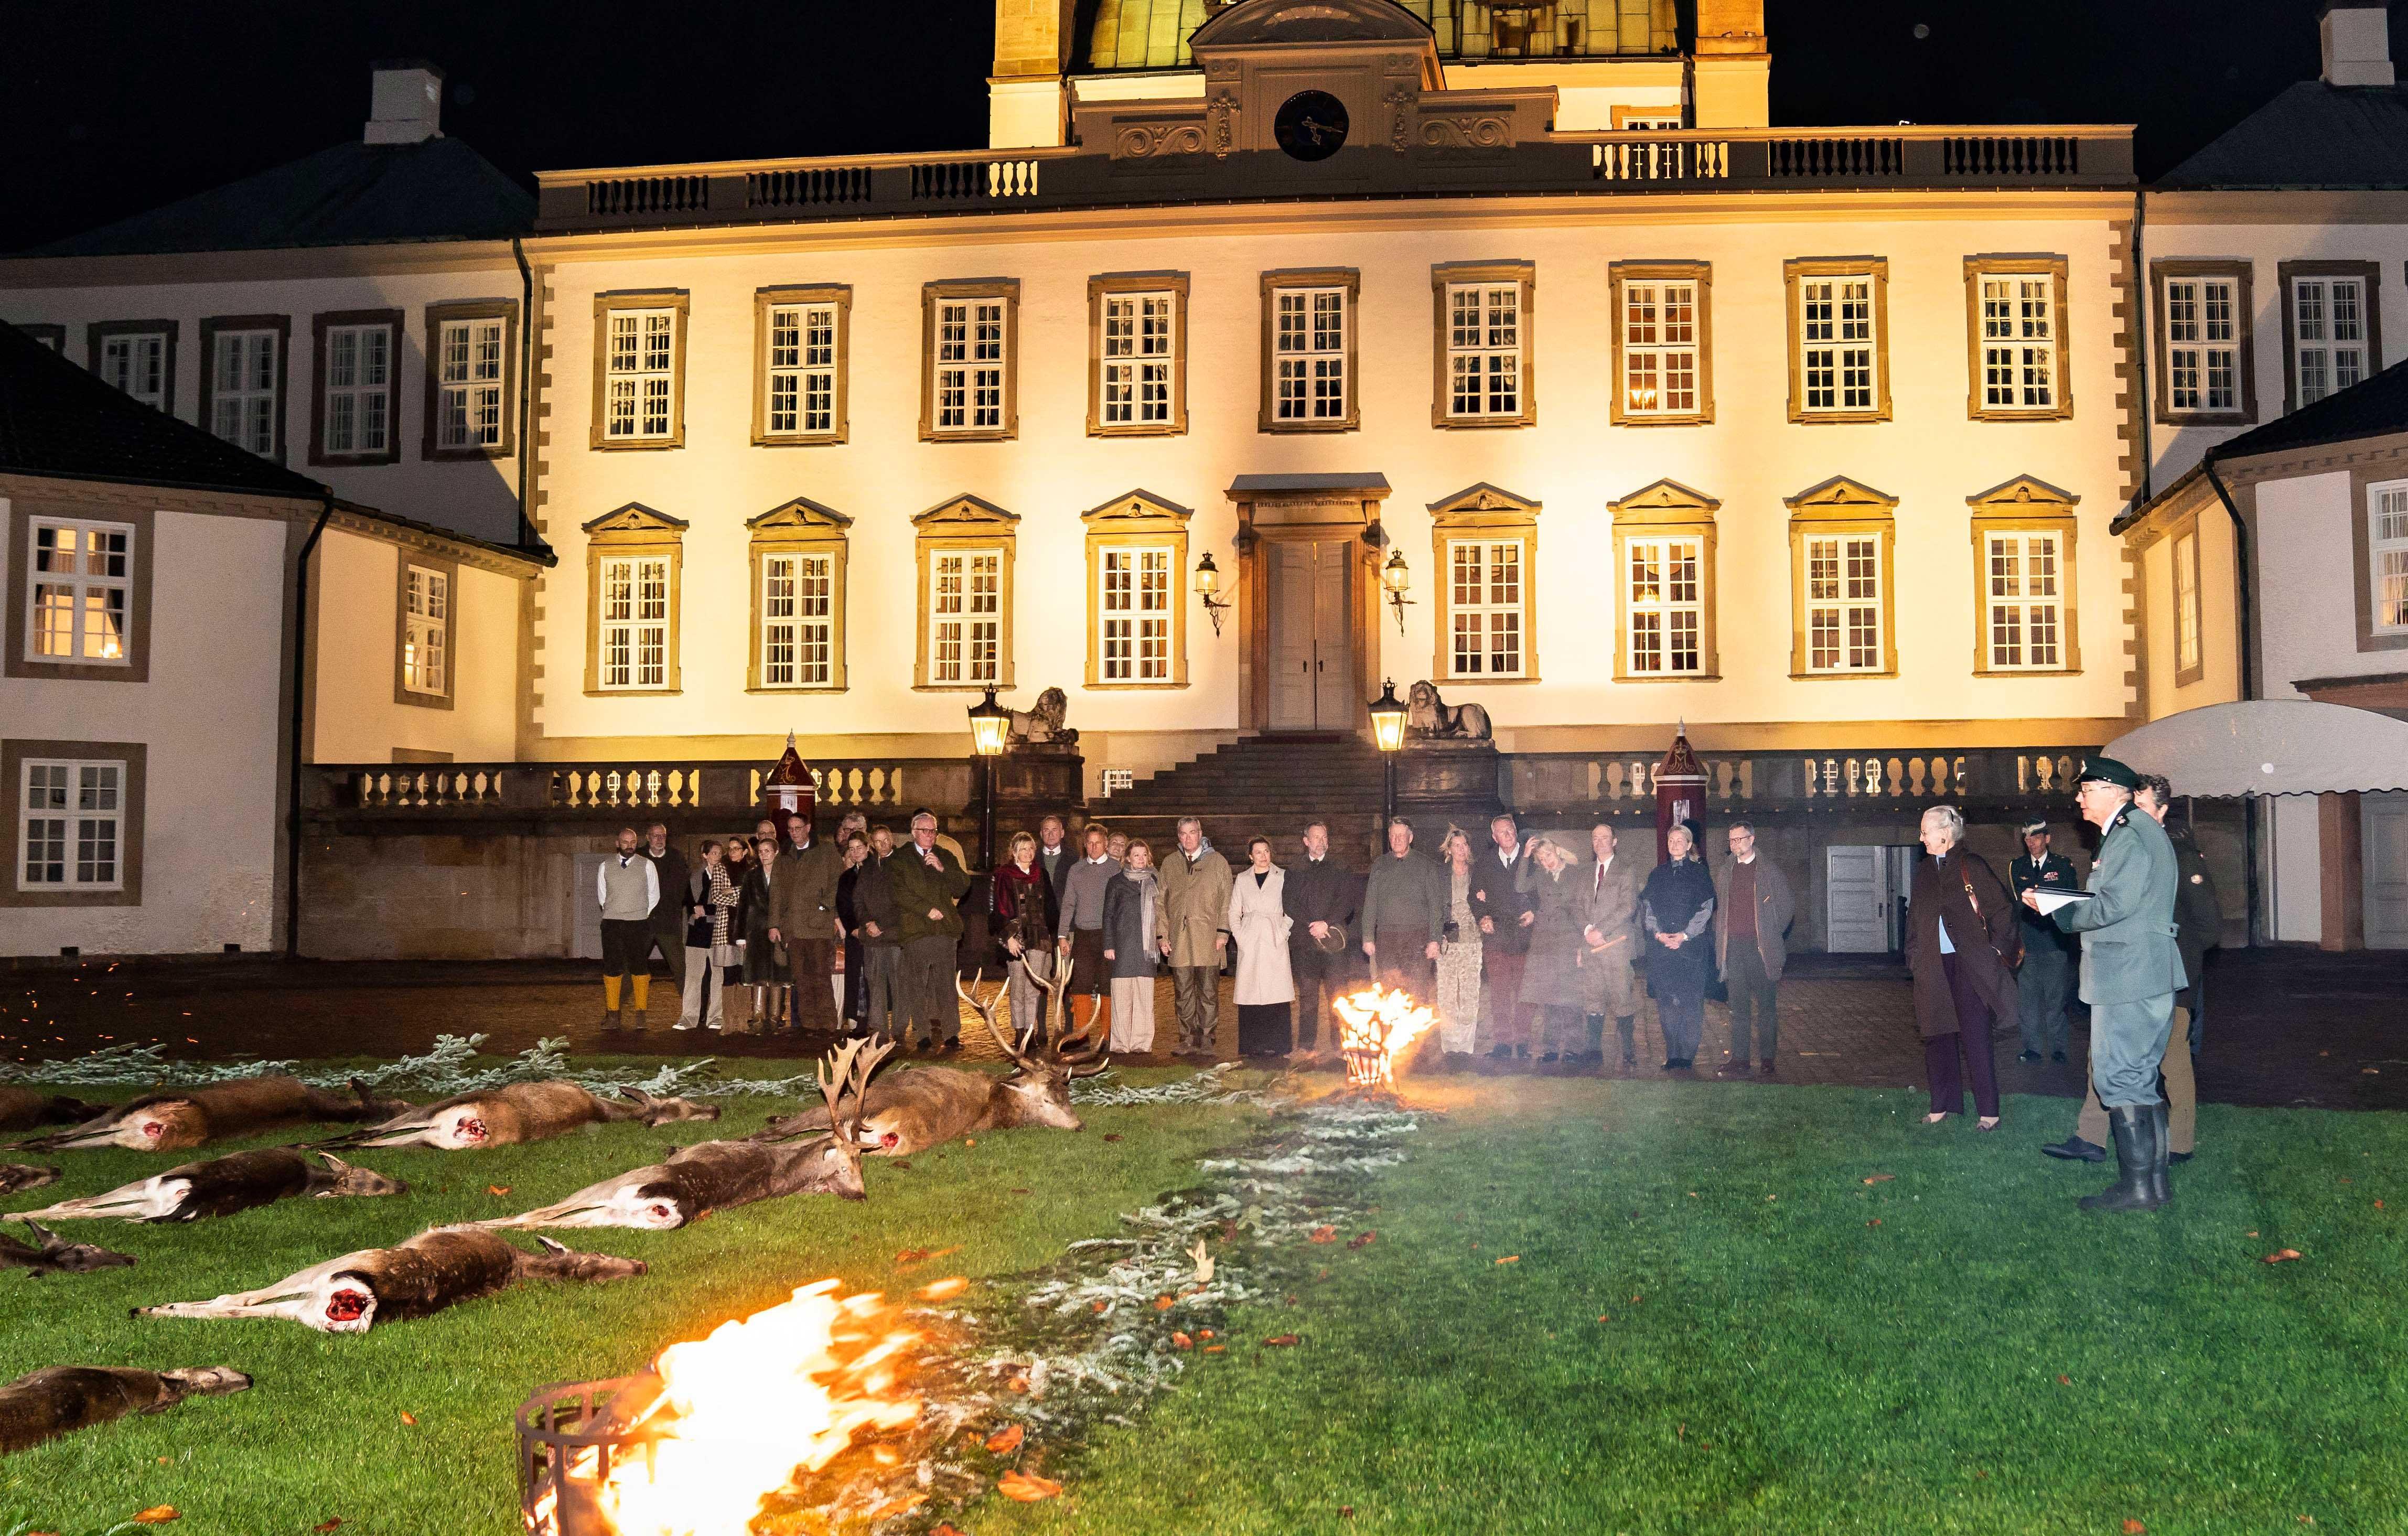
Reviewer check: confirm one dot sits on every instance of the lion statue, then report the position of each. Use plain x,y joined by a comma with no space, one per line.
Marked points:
1042,725
1429,716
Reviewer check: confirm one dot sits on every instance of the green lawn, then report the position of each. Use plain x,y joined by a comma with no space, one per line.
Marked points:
1703,1329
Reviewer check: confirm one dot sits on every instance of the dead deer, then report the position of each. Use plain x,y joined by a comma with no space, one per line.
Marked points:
176,1119
720,1175
419,1278
18,1177
22,1109
907,1111
56,1255
224,1185
67,1397
519,1113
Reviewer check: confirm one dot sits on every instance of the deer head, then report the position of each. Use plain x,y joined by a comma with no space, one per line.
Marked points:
1048,1059
844,1075
662,1112
350,1181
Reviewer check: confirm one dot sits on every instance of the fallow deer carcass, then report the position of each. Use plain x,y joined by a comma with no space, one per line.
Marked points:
22,1109
177,1119
519,1113
907,1111
718,1175
67,1397
56,1255
18,1177
419,1278
223,1185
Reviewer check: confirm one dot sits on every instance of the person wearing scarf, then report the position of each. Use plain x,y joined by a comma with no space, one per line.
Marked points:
1673,911
1129,949
1963,939
1024,918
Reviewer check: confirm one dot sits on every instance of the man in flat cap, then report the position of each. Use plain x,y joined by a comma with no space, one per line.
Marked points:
2043,1001
2131,971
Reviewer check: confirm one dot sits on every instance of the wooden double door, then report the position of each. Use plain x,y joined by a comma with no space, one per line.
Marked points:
1311,658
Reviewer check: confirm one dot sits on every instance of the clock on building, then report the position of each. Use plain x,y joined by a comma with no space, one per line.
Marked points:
1311,125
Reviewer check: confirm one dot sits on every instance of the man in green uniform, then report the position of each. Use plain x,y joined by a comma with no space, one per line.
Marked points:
2131,971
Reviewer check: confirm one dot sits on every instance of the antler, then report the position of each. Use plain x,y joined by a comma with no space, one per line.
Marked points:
1057,1006
850,1063
986,1011
1091,1041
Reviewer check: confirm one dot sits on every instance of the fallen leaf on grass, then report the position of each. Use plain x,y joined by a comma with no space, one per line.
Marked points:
2251,1233
910,1255
1164,1303
1323,1234
939,1290
2378,1205
1346,1511
1103,1306
1876,1222
158,1515
902,1503
1180,1340
2282,1256
2134,1528
497,1190
1204,1333
1004,1441
1216,1349
409,1417
968,1142
945,1528
903,1163
331,1523
1020,1191
1113,1136
1282,1341
1363,1241
2065,1380
1880,1178
1017,1384
1605,1318
1510,1259
1026,1487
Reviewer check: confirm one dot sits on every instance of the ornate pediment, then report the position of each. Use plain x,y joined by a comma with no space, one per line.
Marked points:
1665,501
1482,503
966,514
637,520
1840,497
801,515
1137,511
2024,496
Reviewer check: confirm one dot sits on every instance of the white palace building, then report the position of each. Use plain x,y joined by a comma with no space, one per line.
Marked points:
1510,349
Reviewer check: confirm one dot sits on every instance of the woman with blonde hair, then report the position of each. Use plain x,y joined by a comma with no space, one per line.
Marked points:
1023,918
1458,954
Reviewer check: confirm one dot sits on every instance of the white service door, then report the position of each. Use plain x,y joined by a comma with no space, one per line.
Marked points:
1857,900
2383,822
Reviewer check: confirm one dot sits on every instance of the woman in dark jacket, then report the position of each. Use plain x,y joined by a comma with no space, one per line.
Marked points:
1674,907
855,847
1551,980
1022,917
1962,943
765,970
1129,899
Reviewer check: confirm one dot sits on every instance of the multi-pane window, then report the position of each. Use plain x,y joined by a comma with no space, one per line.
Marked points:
2187,647
2387,555
468,370
633,630
1659,349
640,383
2203,343
358,390
1485,597
1309,381
2025,601
82,582
964,616
1839,359
1138,365
71,826
243,388
797,619
1134,600
1483,350
801,370
1665,603
970,364
1844,603
2020,329
425,630
137,365
2328,336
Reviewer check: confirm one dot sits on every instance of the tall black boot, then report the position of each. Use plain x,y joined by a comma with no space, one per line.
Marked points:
2134,1129
2161,1178
1627,1026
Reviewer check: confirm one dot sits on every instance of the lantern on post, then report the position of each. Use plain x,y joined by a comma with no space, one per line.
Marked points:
1680,791
1388,730
1207,586
990,733
1398,580
790,791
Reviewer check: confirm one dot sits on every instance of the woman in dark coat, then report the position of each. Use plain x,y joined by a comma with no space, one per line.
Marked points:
855,849
1129,949
1550,980
1023,919
1674,907
1962,943
765,970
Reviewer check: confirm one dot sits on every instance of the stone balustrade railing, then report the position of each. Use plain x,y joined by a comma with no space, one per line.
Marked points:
1993,776
881,787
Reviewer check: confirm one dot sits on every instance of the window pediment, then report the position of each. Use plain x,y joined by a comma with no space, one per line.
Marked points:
1841,499
1484,505
1137,511
966,514
637,520
801,515
1667,501
2023,496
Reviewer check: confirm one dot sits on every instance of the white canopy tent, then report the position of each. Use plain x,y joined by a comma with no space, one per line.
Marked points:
2271,747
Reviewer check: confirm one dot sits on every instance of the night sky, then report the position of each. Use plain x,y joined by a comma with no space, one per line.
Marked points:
111,108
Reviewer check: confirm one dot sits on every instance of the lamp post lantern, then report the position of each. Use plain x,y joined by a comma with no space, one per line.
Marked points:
1388,730
1207,586
990,732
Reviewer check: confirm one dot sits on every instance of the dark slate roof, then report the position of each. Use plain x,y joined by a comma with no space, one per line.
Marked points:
57,419
355,193
2368,408
2312,135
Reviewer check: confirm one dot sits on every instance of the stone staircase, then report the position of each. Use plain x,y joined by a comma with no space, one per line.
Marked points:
1269,785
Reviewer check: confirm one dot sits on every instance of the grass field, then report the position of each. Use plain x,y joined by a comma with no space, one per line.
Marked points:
1711,1322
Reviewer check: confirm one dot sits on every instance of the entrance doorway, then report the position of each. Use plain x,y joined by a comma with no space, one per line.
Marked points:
1864,897
1308,600
2384,820
1311,653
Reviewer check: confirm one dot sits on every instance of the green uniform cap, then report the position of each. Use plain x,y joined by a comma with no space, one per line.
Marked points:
2109,771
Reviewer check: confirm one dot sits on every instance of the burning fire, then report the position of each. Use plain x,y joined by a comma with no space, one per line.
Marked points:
742,1410
1377,1029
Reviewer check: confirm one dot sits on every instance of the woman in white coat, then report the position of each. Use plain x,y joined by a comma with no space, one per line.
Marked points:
1259,923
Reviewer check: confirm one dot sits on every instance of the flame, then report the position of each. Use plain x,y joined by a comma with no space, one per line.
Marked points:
1377,1028
742,1410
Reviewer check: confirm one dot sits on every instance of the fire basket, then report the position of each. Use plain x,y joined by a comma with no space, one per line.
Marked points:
1377,1028
571,1436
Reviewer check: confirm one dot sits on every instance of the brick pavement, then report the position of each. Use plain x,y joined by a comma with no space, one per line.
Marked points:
2286,1028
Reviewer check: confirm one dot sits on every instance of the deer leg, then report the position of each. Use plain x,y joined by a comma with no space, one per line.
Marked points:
328,1297
154,1199
614,1202
560,1262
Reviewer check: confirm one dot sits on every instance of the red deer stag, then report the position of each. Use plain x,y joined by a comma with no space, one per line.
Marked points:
418,1278
224,1185
516,1114
22,1109
720,1175
177,1119
909,1111
67,1397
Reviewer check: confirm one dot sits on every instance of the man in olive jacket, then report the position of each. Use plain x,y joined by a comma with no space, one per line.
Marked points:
2131,971
1191,922
927,880
1404,907
811,928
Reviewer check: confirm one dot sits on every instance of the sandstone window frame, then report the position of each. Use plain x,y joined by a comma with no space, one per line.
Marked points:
1491,516
1796,274
1346,281
16,754
472,313
1446,280
2058,343
634,532
1137,521
100,333
24,513
933,297
446,626
2189,614
677,304
218,329
2367,556
963,524
2029,508
325,328
835,298
2288,276
2238,271
1103,289
1664,513
1619,276
801,529
1841,508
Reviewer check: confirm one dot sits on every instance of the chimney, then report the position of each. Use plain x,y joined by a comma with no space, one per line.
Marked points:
2357,38
1730,78
405,102
1027,95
